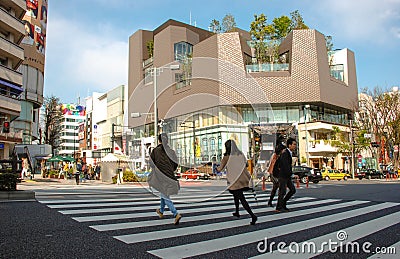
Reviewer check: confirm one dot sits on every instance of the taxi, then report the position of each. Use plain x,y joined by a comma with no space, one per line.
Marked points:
333,174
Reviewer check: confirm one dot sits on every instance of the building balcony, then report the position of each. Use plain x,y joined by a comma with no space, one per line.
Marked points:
321,146
14,136
12,24
148,62
10,75
19,6
267,67
12,52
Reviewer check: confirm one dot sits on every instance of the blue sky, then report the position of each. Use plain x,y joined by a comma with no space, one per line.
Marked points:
87,41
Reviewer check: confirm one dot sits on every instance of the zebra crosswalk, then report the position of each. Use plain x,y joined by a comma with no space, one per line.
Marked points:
208,229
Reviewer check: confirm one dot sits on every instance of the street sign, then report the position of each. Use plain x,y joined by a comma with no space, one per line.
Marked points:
367,135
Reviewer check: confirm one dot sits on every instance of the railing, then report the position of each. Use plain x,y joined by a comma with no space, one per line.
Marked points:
267,67
10,94
12,43
148,61
322,145
337,71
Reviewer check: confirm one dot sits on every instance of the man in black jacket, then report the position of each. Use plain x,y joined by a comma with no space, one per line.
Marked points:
285,175
163,161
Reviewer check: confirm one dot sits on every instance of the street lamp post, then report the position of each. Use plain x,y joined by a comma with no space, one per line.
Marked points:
155,111
306,107
74,141
155,107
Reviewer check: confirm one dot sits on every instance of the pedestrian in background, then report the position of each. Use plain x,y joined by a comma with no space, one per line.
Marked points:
285,176
275,181
237,176
164,162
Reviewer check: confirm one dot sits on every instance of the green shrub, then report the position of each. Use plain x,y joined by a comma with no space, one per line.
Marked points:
8,181
129,176
53,172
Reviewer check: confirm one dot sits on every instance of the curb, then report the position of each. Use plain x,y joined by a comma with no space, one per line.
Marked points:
17,195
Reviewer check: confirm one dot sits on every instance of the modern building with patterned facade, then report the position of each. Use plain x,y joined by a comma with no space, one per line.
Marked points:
11,57
221,92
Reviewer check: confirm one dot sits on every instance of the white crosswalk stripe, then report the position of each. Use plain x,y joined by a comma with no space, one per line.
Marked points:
130,217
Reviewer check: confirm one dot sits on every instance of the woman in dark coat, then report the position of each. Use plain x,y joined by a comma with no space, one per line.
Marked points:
275,184
237,176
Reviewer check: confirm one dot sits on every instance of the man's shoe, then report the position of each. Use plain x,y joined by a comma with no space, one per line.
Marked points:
160,215
236,214
278,211
253,220
285,209
177,218
270,204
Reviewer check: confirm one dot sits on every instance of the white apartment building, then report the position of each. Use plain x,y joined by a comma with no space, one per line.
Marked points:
74,115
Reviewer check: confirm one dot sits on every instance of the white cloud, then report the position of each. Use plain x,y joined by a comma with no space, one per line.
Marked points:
86,59
361,20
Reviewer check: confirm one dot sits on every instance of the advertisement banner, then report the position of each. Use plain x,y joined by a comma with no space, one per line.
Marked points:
34,42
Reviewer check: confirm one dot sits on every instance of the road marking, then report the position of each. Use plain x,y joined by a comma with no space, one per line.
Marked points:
150,223
141,237
353,233
220,206
218,244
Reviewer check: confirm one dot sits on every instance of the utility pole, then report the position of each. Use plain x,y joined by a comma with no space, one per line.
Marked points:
352,149
194,144
155,107
112,137
306,107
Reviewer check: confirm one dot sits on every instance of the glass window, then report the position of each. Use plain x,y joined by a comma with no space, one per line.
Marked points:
212,145
205,145
182,51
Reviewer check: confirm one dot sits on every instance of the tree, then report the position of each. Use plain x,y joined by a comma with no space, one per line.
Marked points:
51,121
379,114
340,139
281,27
215,26
259,31
150,48
228,23
297,22
329,48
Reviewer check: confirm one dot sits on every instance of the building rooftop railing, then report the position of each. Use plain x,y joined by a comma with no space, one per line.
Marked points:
267,67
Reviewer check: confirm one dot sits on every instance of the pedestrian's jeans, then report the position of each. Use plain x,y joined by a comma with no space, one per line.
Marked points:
165,200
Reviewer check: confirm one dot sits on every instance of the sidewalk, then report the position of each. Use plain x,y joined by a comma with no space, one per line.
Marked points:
38,182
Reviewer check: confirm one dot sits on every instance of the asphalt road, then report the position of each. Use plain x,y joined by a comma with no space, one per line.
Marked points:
66,221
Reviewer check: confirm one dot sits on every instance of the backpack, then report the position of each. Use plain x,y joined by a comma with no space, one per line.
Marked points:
277,167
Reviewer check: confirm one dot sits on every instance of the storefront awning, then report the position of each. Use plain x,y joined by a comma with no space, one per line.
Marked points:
13,86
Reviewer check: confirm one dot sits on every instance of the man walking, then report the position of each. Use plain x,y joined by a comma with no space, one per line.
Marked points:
285,174
163,162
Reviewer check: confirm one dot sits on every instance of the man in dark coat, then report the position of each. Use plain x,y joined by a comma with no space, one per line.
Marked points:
163,162
285,176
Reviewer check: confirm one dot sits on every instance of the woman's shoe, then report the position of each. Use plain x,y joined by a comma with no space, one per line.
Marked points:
236,214
253,220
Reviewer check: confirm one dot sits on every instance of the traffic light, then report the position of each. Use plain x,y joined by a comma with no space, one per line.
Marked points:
257,141
6,127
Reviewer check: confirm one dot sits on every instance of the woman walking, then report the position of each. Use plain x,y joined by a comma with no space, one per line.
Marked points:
274,180
237,176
